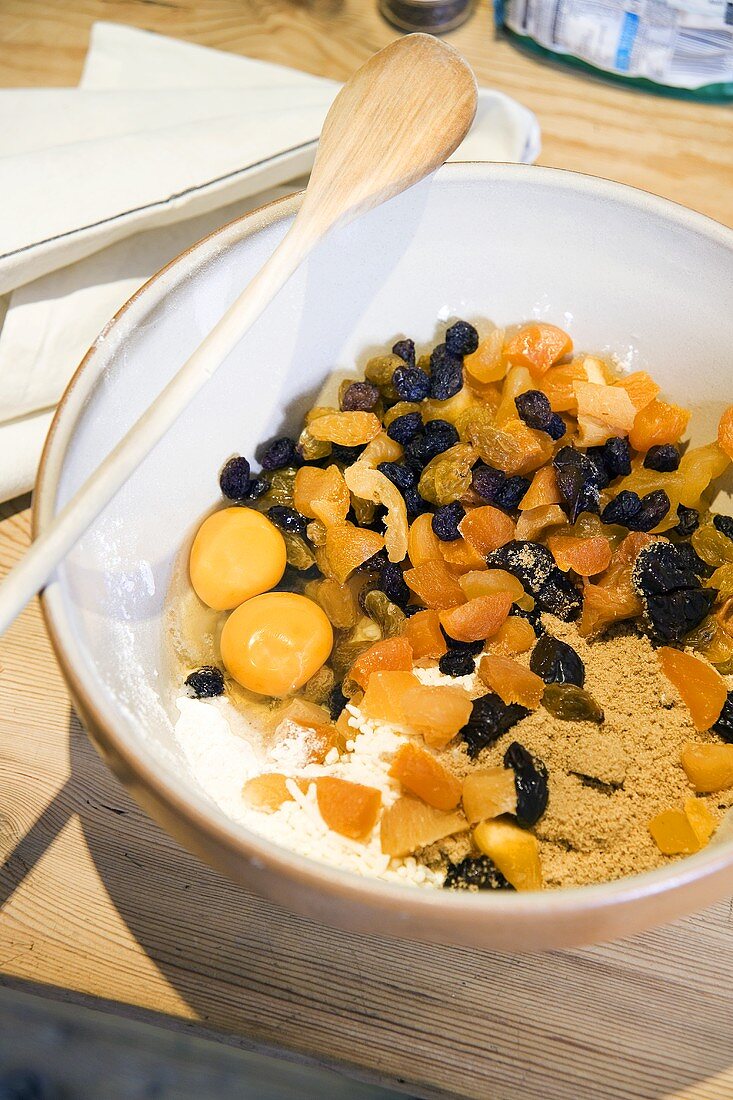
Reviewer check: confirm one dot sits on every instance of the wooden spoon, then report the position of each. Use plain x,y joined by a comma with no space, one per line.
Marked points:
398,118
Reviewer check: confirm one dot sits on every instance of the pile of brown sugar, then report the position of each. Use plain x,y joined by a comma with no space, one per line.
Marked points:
606,781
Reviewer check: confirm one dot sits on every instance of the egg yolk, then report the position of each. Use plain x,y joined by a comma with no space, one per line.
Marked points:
274,643
237,553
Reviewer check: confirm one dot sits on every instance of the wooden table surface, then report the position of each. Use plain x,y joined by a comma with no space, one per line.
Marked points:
99,905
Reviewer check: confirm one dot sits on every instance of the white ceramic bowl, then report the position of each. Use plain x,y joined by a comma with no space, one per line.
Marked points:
620,269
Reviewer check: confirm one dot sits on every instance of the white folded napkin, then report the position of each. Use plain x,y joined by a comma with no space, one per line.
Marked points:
161,142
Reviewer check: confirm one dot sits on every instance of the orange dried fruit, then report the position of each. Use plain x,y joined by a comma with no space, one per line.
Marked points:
702,688
538,346
725,432
489,581
423,632
641,388
389,655
487,363
437,712
536,520
461,557
451,409
422,775
384,695
512,682
303,712
372,485
658,423
434,585
350,809
558,384
347,429
518,380
380,449
422,542
613,597
347,547
266,792
321,494
542,491
516,635
586,557
489,792
515,852
682,832
337,600
709,768
486,528
409,824
610,404
477,619
448,476
702,821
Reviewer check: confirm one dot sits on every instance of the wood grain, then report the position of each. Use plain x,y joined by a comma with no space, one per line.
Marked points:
99,905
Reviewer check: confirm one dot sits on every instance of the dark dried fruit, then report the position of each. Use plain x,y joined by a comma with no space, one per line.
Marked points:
508,495
475,873
615,455
234,479
724,524
403,476
485,481
446,373
688,521
474,648
374,564
530,781
664,458
534,409
360,397
652,509
490,717
415,504
571,703
665,577
622,508
533,564
287,519
336,701
281,452
406,350
347,456
446,519
392,584
457,662
557,662
206,682
405,428
461,338
724,725
257,488
437,436
411,383
557,427
579,479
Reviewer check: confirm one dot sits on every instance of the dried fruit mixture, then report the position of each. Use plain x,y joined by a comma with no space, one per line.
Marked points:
483,616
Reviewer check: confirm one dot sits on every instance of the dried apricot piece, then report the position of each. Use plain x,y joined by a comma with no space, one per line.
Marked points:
422,542
558,383
389,655
516,635
536,520
682,832
477,619
461,557
452,409
373,485
543,490
321,494
709,768
266,792
422,775
380,449
613,597
610,404
487,363
641,388
515,852
702,821
409,824
702,688
538,346
512,682
448,476
348,808
347,429
489,792
658,423
725,432
383,699
489,581
347,547
437,712
302,712
586,557
434,584
423,632
486,528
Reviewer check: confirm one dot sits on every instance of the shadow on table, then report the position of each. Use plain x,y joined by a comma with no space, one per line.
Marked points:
623,1019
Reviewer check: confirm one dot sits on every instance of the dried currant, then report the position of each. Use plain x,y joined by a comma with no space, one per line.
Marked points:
457,662
688,521
446,519
461,338
404,428
490,718
406,350
280,452
234,479
206,682
530,781
724,524
360,397
336,701
664,458
475,873
534,409
557,662
446,373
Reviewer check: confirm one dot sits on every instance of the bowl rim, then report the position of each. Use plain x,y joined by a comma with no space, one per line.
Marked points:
198,812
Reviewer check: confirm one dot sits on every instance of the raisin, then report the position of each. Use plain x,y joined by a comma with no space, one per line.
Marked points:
393,585
508,495
652,509
446,373
415,504
360,397
287,519
411,384
617,456
724,725
461,338
622,509
386,614
474,648
457,662
206,682
403,429
486,481
374,564
688,521
257,488
571,703
406,350
556,428
475,873
347,456
446,519
403,476
665,458
234,479
490,718
280,452
535,567
724,524
557,662
534,409
530,781
438,436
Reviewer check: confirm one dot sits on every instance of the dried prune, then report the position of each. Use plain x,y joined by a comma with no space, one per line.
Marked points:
533,564
475,873
446,519
673,599
580,478
490,717
530,781
234,479
461,338
557,662
665,458
571,703
724,725
688,520
457,662
405,428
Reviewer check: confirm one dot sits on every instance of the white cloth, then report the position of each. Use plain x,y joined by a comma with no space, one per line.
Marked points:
102,184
